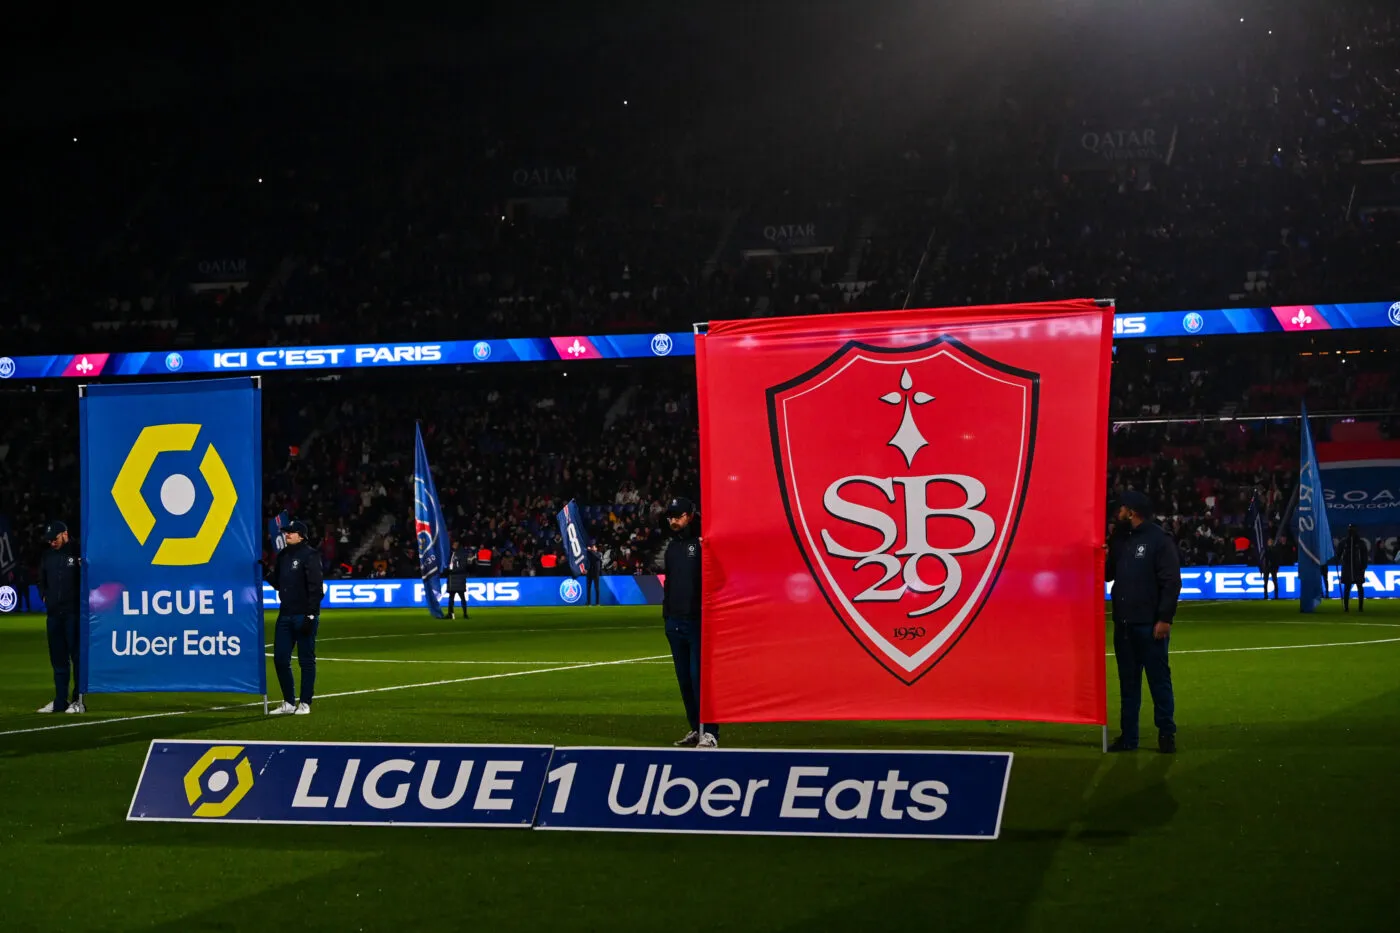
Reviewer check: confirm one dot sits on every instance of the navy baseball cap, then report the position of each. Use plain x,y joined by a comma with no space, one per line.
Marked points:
296,526
53,529
1137,501
680,506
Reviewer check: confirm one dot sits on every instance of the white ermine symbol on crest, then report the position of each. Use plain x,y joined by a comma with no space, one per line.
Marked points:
908,440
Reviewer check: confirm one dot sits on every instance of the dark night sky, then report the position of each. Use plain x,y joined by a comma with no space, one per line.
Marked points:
64,63
72,63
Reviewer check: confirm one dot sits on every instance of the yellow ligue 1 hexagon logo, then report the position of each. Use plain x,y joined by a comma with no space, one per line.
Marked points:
243,781
153,441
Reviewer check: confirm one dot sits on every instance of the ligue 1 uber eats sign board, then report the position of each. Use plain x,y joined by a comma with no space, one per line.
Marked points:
904,514
171,537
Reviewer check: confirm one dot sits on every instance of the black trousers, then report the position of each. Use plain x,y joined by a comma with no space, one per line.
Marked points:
452,601
1138,652
1271,576
287,635
63,655
684,636
594,592
1360,596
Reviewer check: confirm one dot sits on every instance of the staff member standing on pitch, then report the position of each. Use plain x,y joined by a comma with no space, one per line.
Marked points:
297,578
593,592
1354,558
60,585
680,607
457,581
1146,573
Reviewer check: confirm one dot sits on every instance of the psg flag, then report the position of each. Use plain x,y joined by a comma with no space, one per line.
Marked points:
429,526
1314,534
575,538
275,534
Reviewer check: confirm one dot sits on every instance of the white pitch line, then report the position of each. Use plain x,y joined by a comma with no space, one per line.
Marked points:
426,661
1327,622
1330,644
346,693
485,631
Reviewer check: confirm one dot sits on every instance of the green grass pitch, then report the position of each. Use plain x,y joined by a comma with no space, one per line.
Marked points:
1279,813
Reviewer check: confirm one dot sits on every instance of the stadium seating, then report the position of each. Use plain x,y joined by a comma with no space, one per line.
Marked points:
289,222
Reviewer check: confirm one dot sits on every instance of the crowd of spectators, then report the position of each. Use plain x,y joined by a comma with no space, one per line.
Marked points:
407,208
509,448
540,216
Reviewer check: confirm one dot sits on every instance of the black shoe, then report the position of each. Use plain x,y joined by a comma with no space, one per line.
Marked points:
1118,745
1166,744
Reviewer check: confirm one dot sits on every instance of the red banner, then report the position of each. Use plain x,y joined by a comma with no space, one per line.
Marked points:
904,514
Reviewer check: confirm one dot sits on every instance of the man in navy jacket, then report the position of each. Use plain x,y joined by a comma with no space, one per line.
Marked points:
1146,572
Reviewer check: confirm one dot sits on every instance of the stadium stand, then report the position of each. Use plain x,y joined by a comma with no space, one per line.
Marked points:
288,222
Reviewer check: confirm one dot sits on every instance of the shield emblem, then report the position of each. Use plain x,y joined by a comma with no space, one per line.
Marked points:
903,473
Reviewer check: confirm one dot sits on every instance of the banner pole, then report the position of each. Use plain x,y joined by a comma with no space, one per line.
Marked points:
1105,739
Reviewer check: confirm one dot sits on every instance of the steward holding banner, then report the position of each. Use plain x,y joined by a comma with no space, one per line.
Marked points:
171,538
940,555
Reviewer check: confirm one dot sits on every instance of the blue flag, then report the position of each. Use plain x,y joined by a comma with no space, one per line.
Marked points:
1314,534
575,539
434,550
1255,523
275,537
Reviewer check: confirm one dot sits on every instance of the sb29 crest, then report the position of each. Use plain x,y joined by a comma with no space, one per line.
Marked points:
903,473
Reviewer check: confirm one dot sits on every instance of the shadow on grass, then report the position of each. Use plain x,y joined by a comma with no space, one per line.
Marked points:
142,731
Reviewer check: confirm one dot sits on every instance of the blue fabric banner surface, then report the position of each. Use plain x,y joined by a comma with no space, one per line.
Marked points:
171,538
434,548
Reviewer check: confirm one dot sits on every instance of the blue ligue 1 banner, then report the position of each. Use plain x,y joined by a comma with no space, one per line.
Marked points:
913,794
910,794
171,537
341,784
1126,326
575,537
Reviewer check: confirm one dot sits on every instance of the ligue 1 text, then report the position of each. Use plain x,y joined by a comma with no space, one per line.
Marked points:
176,602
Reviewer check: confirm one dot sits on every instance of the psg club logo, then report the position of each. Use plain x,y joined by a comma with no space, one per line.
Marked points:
570,590
8,599
661,344
1193,323
906,518
7,365
1394,316
174,362
482,350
